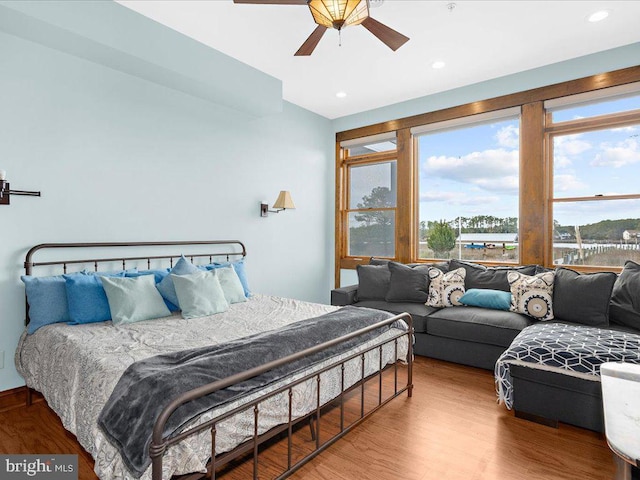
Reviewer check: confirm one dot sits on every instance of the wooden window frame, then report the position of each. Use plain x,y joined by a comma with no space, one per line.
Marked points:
570,127
535,223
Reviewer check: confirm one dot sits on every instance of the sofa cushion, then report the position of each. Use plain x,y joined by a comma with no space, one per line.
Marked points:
494,278
475,324
625,299
583,298
419,311
408,284
373,281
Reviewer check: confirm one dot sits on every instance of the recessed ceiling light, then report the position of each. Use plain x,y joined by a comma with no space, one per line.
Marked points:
341,94
597,16
438,64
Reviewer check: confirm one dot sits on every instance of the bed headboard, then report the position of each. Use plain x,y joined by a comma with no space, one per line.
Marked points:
227,250
125,253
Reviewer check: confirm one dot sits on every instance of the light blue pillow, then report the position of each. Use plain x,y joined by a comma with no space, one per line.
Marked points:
199,294
134,299
486,298
158,275
86,298
111,273
47,298
240,270
166,287
231,285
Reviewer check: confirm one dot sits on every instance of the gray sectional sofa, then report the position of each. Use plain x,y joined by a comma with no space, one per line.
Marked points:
478,336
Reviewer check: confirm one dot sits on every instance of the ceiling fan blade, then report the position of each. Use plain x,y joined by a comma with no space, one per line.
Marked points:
273,2
310,43
392,39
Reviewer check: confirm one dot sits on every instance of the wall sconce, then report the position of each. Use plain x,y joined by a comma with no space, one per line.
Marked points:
283,202
5,190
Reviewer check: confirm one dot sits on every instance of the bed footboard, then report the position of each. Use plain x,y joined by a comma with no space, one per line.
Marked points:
161,443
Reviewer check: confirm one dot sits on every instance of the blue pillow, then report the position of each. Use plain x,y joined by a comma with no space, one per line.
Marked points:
166,287
158,275
87,299
47,297
240,271
486,298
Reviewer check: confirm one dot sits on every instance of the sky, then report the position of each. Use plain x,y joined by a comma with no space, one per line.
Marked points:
473,170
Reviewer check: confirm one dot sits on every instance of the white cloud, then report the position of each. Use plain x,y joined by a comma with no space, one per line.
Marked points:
494,170
567,183
509,136
620,154
629,128
458,198
569,145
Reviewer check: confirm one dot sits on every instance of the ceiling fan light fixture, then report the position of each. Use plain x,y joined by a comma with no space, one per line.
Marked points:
339,13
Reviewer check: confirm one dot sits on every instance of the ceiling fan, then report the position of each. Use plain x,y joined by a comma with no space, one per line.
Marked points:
339,14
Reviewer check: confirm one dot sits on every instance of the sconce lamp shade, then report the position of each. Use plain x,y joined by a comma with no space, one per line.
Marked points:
284,201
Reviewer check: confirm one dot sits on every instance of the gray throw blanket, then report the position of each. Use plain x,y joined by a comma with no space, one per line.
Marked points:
147,386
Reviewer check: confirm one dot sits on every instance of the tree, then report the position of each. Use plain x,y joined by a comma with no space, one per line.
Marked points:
375,233
380,197
441,239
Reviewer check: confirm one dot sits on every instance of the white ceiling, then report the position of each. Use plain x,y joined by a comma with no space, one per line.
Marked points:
478,40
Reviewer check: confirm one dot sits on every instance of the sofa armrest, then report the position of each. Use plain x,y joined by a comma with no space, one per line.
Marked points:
345,295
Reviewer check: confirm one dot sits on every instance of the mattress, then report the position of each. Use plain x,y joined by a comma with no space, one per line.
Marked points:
77,367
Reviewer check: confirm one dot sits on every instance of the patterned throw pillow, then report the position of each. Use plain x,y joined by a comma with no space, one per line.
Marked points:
532,295
445,289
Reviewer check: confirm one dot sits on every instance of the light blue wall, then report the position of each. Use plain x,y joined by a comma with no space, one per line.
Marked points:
118,158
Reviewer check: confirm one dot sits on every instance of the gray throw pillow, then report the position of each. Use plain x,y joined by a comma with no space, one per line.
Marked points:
373,281
378,261
493,278
582,298
408,284
625,299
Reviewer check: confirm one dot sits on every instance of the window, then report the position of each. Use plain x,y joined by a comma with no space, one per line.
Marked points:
528,177
370,210
596,196
468,174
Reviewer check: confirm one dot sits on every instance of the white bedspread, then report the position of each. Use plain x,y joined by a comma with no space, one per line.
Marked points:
77,367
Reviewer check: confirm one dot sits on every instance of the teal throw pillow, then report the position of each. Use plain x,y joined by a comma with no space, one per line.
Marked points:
199,294
134,299
231,285
486,298
166,287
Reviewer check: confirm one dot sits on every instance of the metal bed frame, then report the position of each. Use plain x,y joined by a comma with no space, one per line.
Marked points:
161,442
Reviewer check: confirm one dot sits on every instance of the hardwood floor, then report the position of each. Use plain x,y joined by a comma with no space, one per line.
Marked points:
452,428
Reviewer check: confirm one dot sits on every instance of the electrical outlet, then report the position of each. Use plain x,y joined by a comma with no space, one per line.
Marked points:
1,360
